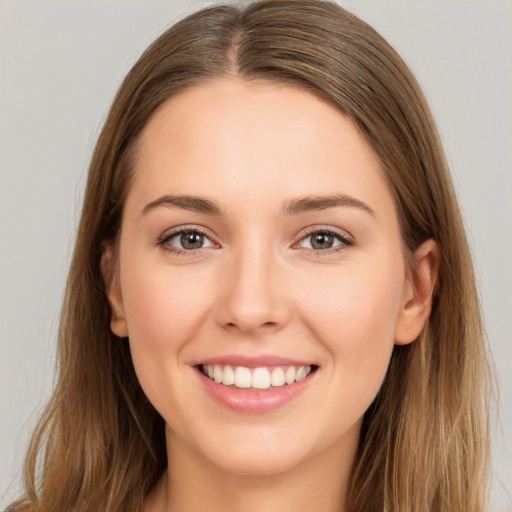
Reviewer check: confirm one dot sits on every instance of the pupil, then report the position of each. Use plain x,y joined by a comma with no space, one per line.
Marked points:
322,241
192,240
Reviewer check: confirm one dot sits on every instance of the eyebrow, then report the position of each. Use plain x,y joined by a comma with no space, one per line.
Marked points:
290,207
313,203
192,203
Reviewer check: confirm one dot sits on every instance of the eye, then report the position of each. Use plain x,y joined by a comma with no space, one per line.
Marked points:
324,239
186,240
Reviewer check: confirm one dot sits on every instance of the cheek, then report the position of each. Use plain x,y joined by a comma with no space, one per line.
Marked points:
164,311
163,305
354,316
353,305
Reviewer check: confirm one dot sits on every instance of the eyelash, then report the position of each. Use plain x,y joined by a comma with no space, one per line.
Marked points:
163,242
346,241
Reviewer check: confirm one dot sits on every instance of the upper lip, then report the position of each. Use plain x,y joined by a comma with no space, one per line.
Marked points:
253,361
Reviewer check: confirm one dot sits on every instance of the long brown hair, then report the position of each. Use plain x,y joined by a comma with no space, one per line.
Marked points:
424,446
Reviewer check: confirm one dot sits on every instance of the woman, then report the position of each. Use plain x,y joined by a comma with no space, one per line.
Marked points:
271,302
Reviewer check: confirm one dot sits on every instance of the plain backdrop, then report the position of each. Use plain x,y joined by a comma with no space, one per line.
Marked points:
61,62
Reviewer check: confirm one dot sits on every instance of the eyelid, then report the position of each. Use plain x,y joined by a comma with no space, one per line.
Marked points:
177,230
315,228
342,235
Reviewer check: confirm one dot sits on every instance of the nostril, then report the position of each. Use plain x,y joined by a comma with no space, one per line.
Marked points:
235,325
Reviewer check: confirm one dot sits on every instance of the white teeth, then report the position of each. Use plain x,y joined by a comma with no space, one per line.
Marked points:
217,373
261,378
289,376
229,376
243,378
277,377
301,373
256,378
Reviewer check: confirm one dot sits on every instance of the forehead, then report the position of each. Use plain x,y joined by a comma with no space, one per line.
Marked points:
254,139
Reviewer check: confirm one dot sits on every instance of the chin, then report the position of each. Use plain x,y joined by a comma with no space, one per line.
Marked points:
250,464
258,453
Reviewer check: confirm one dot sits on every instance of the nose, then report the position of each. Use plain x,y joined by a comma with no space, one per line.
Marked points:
252,295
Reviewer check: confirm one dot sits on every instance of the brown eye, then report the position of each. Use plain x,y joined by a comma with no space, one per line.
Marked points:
186,240
191,240
323,240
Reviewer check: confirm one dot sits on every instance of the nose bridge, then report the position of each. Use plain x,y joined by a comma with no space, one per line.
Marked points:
252,298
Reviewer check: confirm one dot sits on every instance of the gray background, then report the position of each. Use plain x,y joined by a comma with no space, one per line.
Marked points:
61,62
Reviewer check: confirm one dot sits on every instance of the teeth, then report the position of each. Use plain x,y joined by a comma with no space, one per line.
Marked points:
261,378
277,377
229,376
289,376
243,377
301,373
255,378
217,374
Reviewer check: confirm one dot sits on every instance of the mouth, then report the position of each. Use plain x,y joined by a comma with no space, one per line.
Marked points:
256,379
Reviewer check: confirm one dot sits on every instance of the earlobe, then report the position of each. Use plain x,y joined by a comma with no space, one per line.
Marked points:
118,323
418,293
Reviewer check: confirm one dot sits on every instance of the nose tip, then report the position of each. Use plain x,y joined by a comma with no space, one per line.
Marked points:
251,321
252,299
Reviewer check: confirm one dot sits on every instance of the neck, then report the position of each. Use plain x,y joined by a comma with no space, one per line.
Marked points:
194,483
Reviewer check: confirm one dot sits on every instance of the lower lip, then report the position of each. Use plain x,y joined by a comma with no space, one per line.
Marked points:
244,400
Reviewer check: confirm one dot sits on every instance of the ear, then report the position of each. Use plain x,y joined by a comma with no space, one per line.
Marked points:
109,270
418,292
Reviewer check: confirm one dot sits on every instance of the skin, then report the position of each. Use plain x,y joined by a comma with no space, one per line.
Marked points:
258,287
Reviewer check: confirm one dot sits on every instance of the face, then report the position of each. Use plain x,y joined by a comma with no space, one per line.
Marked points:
260,245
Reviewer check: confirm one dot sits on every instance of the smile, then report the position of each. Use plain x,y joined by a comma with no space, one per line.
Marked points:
259,378
255,384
